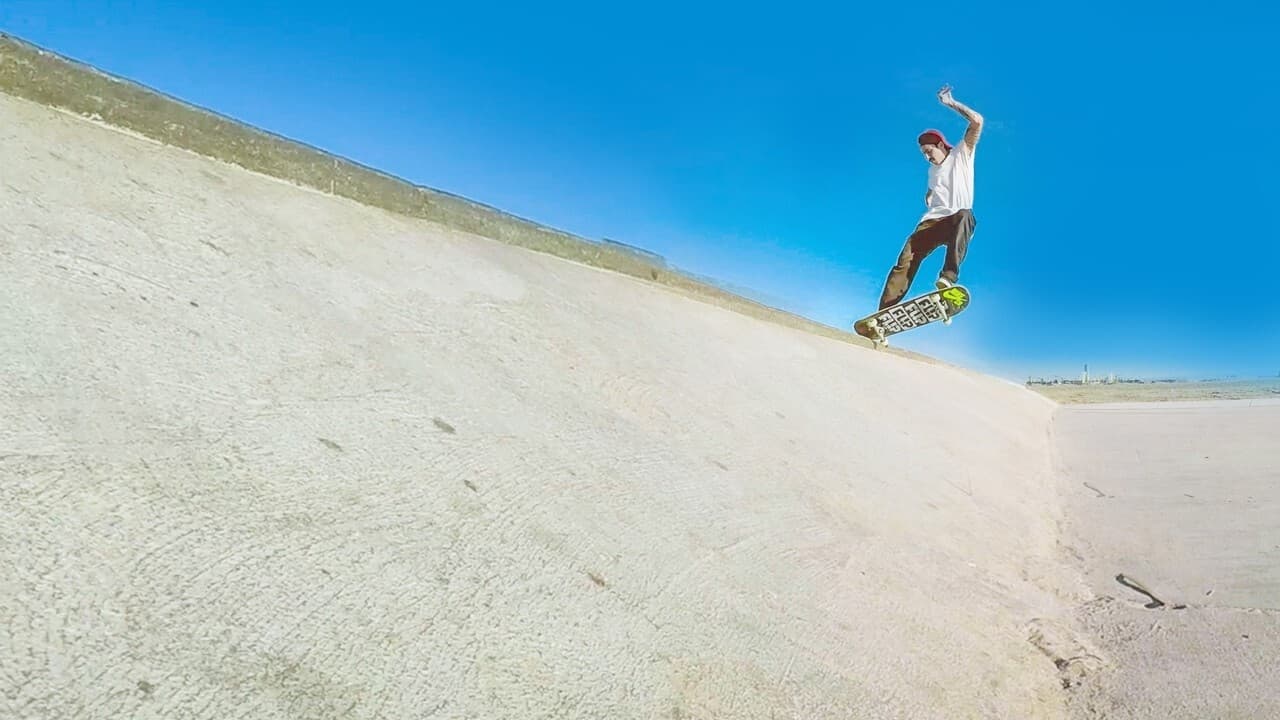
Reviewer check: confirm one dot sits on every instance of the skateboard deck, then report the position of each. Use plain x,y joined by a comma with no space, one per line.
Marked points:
912,313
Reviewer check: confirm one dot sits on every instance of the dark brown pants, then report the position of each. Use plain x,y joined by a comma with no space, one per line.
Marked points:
953,231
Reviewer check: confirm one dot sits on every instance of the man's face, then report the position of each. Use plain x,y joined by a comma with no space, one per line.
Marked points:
933,152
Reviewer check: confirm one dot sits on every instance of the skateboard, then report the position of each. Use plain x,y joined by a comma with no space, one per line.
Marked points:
912,313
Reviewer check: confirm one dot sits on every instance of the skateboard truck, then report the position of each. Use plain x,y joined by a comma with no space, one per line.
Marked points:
942,308
878,338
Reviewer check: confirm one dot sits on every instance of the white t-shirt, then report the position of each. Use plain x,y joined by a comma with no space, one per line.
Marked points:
951,183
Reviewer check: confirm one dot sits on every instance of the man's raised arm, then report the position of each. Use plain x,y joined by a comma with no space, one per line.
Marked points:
974,131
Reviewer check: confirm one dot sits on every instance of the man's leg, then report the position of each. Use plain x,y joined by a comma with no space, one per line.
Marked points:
914,251
956,235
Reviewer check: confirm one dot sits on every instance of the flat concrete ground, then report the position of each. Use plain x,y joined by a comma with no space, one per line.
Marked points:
1182,500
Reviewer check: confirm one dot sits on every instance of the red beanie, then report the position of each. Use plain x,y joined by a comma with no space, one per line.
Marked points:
933,136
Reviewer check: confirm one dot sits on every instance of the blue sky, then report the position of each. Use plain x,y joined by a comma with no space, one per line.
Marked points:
1125,182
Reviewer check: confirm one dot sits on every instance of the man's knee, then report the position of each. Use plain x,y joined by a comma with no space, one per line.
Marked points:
904,259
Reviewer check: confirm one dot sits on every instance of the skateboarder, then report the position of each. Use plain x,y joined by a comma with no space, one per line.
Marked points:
948,219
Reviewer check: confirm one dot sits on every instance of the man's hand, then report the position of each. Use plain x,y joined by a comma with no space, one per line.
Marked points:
944,96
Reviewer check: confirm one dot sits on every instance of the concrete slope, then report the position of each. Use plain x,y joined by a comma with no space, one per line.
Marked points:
269,453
